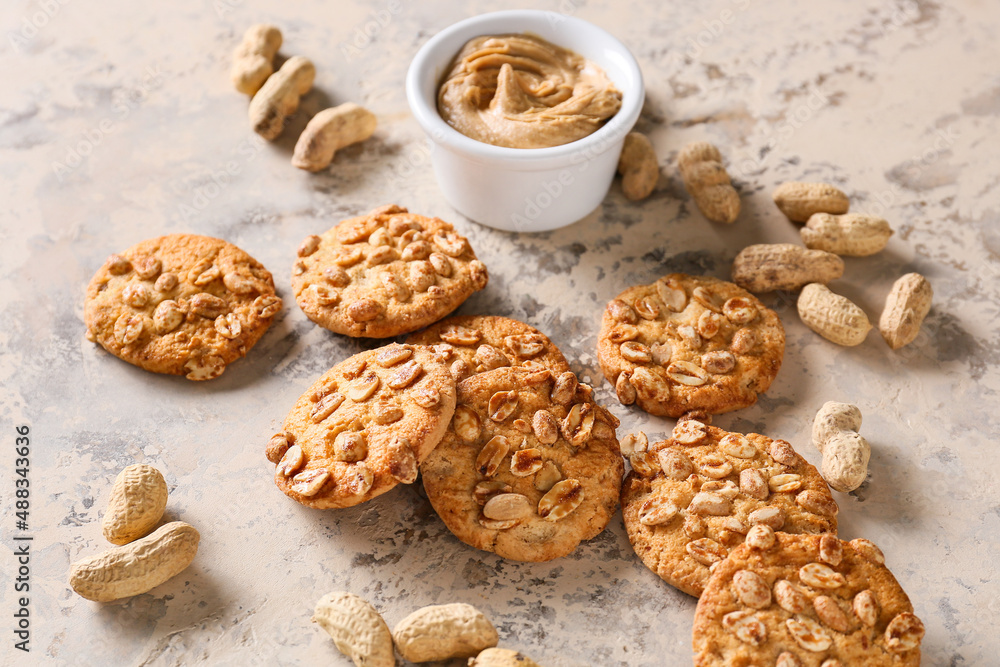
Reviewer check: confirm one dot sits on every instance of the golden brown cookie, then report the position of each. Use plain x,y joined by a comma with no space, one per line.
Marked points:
386,273
180,304
691,499
529,466
363,427
477,343
805,601
689,344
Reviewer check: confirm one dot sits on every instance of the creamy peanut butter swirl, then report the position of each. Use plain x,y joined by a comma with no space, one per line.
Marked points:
520,91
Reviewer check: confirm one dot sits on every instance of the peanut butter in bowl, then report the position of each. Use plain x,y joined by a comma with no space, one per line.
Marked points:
521,91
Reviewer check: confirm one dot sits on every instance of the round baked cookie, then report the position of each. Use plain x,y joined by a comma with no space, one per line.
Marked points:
689,500
386,273
180,304
689,344
480,343
529,466
363,427
805,601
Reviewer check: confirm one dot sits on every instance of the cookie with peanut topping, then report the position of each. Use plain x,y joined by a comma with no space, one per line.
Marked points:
529,466
476,343
363,427
386,273
180,304
805,601
689,344
690,500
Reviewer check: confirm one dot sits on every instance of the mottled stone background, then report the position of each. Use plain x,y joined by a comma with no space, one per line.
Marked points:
118,123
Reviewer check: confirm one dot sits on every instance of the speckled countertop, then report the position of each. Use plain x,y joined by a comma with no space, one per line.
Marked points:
118,123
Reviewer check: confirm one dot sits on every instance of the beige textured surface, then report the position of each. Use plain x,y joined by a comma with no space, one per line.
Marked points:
118,123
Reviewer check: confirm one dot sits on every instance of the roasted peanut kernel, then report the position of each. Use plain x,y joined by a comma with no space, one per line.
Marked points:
744,341
752,484
684,372
789,597
525,462
808,634
166,282
291,461
819,575
674,464
689,432
751,589
830,613
622,312
866,607
491,455
635,352
719,362
545,427
785,483
277,446
647,308
486,489
657,511
502,405
309,245
737,446
706,551
672,294
760,537
561,500
547,476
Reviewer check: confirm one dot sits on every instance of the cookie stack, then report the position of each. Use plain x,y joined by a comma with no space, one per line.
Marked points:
741,521
515,455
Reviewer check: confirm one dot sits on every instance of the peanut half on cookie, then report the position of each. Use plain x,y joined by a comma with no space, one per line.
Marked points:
363,427
805,601
691,499
529,466
386,273
181,305
480,343
689,344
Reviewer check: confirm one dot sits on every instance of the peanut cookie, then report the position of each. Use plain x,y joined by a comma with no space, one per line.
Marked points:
805,601
363,427
689,343
529,466
384,274
478,343
691,499
181,305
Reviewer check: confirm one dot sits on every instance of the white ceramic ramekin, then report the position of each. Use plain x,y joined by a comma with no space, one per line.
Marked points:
524,189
